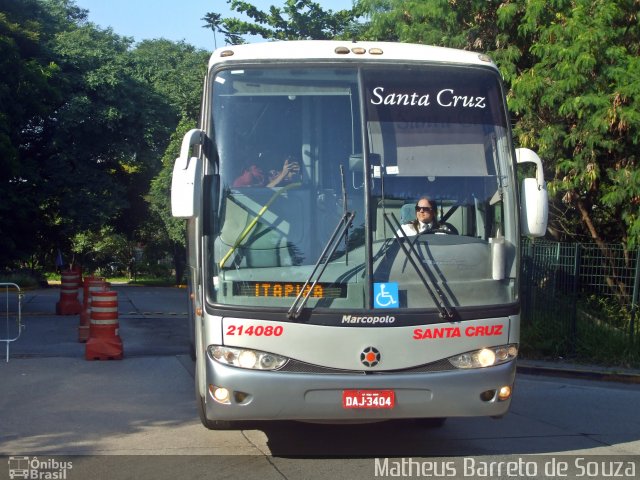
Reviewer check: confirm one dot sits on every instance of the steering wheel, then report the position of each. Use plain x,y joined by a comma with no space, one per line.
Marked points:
446,228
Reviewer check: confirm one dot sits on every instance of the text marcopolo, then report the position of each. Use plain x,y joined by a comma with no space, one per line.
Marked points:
368,319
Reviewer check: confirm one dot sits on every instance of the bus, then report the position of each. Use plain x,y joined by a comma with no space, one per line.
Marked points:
308,299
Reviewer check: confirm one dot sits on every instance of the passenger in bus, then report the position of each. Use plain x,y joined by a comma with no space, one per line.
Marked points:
425,221
254,176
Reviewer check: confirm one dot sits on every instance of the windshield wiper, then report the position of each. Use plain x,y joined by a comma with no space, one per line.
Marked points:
341,229
439,300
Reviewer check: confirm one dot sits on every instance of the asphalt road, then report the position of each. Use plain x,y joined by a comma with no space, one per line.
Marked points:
136,417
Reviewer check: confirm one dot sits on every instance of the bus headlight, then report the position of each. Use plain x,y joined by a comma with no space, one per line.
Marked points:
485,357
247,358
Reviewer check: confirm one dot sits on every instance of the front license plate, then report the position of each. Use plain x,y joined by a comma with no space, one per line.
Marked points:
368,399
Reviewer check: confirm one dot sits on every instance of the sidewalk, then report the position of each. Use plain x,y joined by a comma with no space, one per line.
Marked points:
566,369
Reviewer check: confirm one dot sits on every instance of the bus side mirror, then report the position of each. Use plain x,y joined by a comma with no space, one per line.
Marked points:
186,181
534,203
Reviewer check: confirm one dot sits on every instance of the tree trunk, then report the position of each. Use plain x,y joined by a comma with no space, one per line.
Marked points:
613,280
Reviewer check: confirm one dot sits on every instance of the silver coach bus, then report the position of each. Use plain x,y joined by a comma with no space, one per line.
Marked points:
309,300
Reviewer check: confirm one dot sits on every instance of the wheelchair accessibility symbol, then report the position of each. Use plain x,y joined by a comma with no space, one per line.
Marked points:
385,295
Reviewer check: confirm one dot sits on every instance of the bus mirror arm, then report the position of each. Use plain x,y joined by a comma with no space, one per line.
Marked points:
524,155
195,136
440,300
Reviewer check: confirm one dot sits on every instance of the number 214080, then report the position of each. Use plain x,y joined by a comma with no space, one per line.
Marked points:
255,330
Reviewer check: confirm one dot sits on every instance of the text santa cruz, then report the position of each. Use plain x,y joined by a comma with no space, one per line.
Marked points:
445,98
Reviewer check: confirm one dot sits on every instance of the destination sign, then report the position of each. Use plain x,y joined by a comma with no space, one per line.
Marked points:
288,289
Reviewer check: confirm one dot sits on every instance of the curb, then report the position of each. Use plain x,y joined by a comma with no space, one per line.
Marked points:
579,372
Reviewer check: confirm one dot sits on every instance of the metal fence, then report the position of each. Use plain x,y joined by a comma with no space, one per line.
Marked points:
11,304
580,300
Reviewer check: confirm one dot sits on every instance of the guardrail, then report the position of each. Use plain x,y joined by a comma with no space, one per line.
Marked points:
12,298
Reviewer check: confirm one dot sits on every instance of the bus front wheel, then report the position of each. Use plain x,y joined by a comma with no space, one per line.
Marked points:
212,424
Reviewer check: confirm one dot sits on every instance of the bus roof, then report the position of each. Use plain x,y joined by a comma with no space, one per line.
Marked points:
344,50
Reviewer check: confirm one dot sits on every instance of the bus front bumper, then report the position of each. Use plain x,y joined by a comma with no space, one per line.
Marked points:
270,395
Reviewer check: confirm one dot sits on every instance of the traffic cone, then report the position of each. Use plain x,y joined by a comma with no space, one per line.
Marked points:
104,341
69,303
91,284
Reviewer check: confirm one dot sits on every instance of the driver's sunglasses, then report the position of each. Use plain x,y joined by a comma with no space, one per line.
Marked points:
424,209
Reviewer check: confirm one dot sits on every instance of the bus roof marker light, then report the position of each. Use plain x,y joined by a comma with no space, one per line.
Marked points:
341,50
359,50
375,51
485,58
226,53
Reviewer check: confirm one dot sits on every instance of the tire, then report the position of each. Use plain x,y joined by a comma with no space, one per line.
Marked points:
211,424
207,423
192,351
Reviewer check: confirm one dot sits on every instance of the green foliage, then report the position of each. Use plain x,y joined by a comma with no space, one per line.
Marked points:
30,90
580,103
175,72
97,250
85,117
24,279
546,337
295,20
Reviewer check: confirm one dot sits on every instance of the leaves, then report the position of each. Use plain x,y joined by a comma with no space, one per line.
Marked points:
85,117
296,20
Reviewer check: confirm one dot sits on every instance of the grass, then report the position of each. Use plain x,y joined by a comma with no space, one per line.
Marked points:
144,281
53,278
551,336
22,279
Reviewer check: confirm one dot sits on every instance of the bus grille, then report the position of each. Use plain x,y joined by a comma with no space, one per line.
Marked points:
295,366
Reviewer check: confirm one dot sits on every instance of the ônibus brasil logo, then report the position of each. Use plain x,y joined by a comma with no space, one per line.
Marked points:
33,468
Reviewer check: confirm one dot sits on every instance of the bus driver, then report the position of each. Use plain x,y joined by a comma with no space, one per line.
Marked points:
425,221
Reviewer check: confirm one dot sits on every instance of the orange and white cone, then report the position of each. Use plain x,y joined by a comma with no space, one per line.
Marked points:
104,341
91,285
69,303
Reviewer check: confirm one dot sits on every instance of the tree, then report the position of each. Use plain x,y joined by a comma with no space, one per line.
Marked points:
30,89
579,105
84,120
573,75
581,100
296,20
175,71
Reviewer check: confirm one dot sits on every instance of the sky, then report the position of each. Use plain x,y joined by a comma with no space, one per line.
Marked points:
173,19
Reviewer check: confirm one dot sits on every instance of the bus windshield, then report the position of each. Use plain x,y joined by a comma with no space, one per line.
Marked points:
301,149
